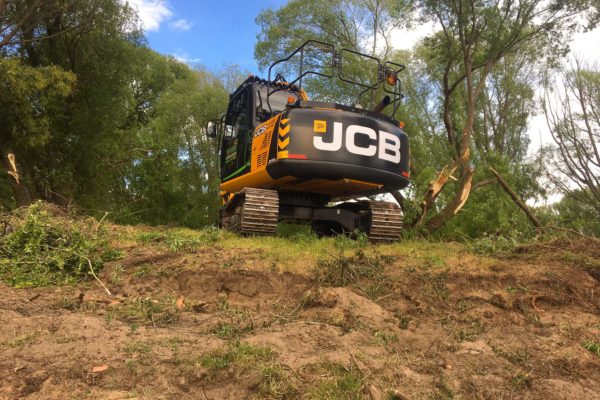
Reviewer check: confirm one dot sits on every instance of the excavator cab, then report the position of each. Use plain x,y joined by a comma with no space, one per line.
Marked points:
285,158
246,110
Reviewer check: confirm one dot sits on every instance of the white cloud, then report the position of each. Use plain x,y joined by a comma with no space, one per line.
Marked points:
152,13
405,39
180,25
185,58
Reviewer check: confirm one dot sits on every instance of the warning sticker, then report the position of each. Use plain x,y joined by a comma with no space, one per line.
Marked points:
320,126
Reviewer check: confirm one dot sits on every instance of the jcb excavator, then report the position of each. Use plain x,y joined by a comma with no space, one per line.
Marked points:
286,158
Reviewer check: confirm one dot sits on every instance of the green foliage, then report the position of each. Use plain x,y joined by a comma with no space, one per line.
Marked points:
492,244
130,139
28,96
46,246
593,347
573,213
177,179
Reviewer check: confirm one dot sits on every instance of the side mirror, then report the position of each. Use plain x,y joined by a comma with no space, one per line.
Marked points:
211,130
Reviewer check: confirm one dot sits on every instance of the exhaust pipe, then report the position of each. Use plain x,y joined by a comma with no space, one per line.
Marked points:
382,104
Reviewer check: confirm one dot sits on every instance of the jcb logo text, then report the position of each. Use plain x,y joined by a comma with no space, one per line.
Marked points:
384,144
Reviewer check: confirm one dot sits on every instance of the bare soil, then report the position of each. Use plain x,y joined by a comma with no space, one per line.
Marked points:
457,326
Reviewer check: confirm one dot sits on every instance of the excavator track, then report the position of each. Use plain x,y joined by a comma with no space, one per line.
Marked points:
257,213
386,222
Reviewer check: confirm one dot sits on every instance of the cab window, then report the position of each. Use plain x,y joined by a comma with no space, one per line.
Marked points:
237,135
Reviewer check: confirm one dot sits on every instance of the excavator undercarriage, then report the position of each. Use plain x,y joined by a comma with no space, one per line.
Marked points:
257,211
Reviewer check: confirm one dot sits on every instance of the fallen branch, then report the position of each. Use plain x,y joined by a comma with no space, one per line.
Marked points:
575,232
89,265
515,197
100,222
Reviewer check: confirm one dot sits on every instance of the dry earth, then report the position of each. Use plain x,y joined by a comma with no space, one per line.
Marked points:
232,322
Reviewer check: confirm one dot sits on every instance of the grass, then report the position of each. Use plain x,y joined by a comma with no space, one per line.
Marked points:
239,354
294,249
274,383
153,312
518,356
181,239
22,339
337,382
137,347
359,269
238,321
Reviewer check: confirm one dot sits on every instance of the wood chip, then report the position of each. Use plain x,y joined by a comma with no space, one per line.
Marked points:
180,303
100,368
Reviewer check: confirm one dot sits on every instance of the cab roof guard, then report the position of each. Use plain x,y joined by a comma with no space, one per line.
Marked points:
387,72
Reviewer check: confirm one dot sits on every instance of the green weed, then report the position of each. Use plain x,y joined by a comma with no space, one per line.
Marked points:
181,239
594,347
493,244
518,357
22,339
274,383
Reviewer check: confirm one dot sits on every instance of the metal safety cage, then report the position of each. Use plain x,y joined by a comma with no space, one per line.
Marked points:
385,70
302,72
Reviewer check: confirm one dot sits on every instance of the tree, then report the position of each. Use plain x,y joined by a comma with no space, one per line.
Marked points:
574,121
475,37
176,179
360,25
28,95
570,212
61,40
25,22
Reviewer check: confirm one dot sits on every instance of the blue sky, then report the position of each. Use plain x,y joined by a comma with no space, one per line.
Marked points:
212,33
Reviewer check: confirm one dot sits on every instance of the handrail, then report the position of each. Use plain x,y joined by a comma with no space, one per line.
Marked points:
302,74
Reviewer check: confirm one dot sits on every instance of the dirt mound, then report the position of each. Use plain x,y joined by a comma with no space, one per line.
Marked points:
220,323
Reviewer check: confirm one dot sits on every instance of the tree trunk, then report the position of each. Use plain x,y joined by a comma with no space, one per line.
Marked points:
20,190
459,200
